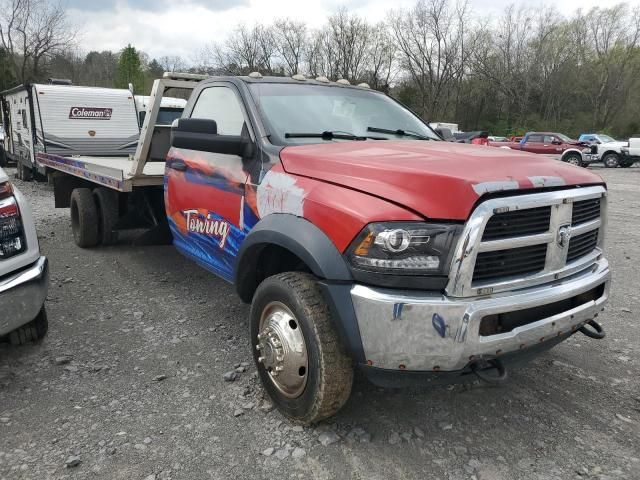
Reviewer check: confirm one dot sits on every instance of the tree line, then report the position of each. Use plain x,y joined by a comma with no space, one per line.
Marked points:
524,69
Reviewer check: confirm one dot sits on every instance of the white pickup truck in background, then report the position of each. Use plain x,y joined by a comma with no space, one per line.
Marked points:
24,273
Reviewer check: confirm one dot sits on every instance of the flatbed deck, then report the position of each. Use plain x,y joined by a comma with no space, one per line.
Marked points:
112,172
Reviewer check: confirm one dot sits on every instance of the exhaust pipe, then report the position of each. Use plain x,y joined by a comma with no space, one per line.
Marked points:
596,331
481,367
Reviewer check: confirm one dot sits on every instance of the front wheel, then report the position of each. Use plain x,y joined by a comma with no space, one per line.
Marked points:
32,331
300,359
611,160
574,159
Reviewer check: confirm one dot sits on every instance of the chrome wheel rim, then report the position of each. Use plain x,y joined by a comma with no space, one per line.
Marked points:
282,350
574,161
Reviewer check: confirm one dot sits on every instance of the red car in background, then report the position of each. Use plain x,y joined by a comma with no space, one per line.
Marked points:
548,143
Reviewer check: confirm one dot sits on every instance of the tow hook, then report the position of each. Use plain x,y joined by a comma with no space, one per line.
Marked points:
597,332
481,367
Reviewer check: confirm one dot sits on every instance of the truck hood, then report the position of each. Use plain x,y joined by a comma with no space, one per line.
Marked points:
613,144
440,180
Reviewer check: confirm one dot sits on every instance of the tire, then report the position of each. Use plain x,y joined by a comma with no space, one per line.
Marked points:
574,159
611,160
108,214
32,331
625,163
329,371
84,218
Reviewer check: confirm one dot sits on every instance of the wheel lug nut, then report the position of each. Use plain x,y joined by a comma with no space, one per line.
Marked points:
279,368
260,359
258,347
279,358
260,336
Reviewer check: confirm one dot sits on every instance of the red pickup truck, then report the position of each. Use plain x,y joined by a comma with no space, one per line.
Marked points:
555,144
361,240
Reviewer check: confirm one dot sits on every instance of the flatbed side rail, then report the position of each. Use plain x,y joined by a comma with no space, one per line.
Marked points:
108,177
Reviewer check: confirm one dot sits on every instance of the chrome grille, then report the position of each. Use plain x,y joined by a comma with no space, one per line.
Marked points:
515,261
582,245
520,241
517,223
585,211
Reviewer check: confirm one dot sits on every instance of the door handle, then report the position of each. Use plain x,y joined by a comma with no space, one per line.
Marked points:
180,166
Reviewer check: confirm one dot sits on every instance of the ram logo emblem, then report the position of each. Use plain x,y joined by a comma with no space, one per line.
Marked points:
564,235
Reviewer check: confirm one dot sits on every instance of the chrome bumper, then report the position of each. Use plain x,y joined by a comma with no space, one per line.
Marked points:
431,332
22,295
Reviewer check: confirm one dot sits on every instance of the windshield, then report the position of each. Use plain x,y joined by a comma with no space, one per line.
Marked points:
564,138
605,139
303,109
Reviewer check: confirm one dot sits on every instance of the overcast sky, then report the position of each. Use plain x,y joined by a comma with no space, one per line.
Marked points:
174,27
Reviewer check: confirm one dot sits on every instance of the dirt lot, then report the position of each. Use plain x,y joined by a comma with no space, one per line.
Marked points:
130,381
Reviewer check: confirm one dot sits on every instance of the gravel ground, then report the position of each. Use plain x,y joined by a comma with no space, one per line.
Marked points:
129,384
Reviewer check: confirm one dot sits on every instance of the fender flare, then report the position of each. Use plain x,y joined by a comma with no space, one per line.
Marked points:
571,150
300,237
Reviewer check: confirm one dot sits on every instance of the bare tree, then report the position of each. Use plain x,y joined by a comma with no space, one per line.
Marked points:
290,39
609,40
430,38
172,63
32,31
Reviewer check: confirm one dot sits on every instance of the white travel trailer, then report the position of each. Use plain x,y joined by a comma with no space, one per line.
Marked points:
68,121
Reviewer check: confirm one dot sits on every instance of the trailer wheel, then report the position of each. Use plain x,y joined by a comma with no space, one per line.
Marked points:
300,359
611,160
108,214
32,331
84,218
574,159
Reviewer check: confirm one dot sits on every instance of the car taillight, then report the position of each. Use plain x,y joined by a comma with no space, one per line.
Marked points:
480,141
11,231
5,190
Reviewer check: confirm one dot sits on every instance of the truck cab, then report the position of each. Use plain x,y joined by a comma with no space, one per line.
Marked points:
362,240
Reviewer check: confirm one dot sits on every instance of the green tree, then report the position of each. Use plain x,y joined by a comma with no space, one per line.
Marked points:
130,70
7,80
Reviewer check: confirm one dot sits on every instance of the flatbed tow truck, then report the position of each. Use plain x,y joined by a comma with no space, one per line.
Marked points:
359,237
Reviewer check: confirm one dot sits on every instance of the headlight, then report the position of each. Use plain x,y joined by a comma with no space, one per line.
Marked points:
404,248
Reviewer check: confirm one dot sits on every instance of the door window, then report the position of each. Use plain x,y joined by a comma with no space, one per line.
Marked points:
535,139
548,139
220,104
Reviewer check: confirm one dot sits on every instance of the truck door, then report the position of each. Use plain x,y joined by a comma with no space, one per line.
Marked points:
533,144
204,192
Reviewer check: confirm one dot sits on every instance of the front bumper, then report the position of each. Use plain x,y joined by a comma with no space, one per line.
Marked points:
22,295
422,331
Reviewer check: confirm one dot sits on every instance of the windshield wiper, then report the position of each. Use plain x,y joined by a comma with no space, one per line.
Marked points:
403,133
326,135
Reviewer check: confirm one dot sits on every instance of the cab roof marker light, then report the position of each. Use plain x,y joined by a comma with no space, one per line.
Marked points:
343,81
364,85
323,79
299,77
257,75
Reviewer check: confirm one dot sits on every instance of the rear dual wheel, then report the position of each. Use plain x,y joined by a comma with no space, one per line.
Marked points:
93,216
300,359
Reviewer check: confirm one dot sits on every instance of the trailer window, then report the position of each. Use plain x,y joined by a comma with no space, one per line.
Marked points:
24,120
222,105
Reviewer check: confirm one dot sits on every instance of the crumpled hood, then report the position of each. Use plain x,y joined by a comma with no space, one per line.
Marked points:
440,180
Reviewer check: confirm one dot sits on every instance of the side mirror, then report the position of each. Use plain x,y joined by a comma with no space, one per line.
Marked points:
202,135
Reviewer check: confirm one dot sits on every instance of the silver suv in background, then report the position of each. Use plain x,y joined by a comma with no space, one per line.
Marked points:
24,272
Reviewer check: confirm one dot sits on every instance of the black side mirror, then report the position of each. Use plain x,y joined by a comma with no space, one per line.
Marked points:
445,133
202,135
